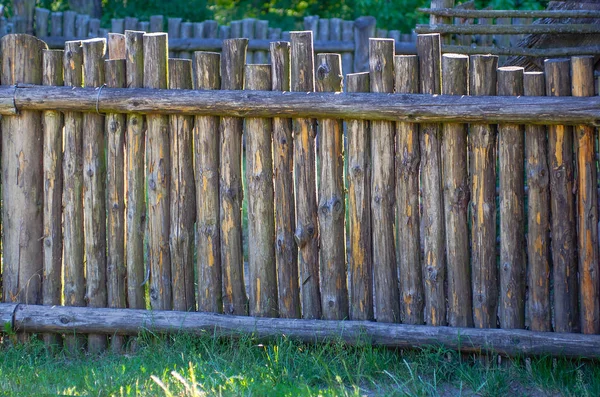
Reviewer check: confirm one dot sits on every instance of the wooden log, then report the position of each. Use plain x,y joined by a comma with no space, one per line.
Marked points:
286,251
230,184
434,18
41,22
186,33
455,81
158,165
304,132
400,336
135,176
360,258
199,30
206,154
322,29
94,189
174,30
385,275
335,30
69,23
116,268
117,25
562,205
211,29
348,57
236,29
131,23
82,26
582,84
523,51
465,13
364,28
415,108
538,215
157,23
116,46
554,28
432,220
484,273
331,205
22,177
261,213
73,249
94,26
511,152
52,122
56,21
260,33
143,26
182,192
248,32
311,22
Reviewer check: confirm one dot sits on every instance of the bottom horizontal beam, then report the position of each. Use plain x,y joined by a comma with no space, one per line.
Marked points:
61,319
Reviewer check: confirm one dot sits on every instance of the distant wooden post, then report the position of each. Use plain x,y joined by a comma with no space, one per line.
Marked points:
260,33
235,301
41,22
332,236
157,23
364,28
186,33
562,202
23,13
360,258
69,23
286,251
538,215
183,192
511,152
347,57
455,81
248,33
206,152
432,221
53,185
56,21
117,25
307,228
385,274
484,273
582,83
158,165
174,30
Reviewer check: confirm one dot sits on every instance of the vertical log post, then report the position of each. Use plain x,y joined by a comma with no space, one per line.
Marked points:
364,28
307,228
56,24
538,215
385,274
53,186
408,161
22,177
248,33
562,202
511,152
41,22
69,23
116,269
582,84
157,23
360,257
116,46
261,213
186,33
131,23
173,30
211,29
484,273
286,251
260,33
348,57
230,186
135,176
455,81
183,200
323,29
94,189
334,291
73,250
206,152
432,221
117,25
82,26
158,165
335,30
311,22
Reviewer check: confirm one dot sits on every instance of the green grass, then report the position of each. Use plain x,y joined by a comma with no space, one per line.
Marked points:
184,365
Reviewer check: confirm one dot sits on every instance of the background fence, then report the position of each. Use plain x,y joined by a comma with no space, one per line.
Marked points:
131,192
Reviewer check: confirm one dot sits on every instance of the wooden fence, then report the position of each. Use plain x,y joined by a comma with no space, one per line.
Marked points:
123,187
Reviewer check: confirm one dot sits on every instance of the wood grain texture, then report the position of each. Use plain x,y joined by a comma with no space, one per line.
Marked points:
360,257
182,194
484,276
455,81
538,215
331,205
385,274
206,153
235,300
304,132
286,251
116,46
364,28
562,205
158,165
432,220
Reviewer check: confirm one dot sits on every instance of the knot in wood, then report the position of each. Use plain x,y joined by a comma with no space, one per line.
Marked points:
90,172
152,184
322,71
48,242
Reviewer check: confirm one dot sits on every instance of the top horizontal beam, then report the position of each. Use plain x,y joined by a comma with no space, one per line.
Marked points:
416,108
552,28
453,12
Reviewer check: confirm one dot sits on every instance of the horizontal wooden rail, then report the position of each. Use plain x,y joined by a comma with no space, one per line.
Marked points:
554,28
522,51
61,319
417,108
453,12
